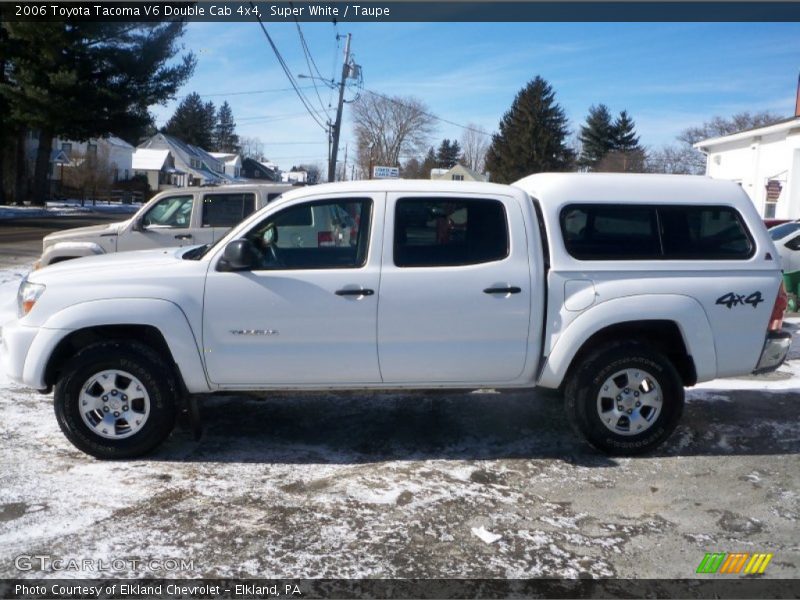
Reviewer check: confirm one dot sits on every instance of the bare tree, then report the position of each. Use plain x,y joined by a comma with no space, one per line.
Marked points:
251,147
684,158
475,143
89,173
387,128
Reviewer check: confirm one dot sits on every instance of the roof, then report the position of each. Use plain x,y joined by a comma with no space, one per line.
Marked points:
229,158
115,141
778,127
557,189
146,159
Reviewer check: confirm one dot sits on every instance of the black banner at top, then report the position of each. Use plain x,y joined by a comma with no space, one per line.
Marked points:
391,11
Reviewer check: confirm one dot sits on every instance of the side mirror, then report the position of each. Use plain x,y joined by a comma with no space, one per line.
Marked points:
137,224
241,255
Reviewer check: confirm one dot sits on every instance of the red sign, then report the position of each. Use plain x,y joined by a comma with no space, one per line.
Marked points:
774,188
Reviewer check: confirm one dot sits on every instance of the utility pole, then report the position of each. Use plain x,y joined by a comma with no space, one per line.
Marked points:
344,167
338,124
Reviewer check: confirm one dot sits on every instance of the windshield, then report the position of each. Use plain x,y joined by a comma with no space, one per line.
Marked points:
781,231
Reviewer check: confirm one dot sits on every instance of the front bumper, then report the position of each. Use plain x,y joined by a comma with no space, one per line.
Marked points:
776,347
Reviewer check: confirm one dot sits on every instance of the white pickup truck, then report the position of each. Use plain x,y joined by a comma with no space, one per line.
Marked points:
618,290
179,217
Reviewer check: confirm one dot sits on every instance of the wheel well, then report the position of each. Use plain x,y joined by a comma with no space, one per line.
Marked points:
663,336
81,338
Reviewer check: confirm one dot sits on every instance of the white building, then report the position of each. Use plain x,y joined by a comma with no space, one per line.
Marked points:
764,161
232,162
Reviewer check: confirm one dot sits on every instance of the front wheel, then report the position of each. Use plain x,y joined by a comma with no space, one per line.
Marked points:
625,398
116,400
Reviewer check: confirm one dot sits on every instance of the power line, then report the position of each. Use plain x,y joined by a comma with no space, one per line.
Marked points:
288,73
438,118
309,62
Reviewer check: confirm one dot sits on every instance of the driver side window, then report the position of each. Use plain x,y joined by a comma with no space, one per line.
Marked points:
173,211
327,234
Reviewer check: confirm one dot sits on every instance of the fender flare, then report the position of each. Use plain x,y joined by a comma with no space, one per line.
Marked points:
686,312
164,315
70,249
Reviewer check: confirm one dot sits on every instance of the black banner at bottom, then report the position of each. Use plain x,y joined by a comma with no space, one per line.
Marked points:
135,589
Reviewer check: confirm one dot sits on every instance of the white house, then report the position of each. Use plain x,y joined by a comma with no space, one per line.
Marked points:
117,151
764,161
232,162
159,168
458,173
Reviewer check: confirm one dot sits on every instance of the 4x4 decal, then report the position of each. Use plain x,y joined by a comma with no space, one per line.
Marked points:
731,299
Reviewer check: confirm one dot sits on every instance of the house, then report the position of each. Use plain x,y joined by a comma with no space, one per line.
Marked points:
232,163
294,177
159,168
765,161
458,173
199,166
116,152
253,169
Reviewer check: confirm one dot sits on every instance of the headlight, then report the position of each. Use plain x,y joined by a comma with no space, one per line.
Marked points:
27,296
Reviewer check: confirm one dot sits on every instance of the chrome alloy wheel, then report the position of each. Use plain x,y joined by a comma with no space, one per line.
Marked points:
114,404
629,401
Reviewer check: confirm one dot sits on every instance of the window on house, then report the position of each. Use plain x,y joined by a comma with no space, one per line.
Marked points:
91,149
66,147
449,232
458,178
226,210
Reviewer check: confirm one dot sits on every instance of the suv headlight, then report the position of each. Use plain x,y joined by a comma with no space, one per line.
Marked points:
27,296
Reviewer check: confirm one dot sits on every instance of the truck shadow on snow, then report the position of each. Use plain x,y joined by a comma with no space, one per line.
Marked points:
353,427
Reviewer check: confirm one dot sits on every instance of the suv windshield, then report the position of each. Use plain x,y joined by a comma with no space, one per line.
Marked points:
781,231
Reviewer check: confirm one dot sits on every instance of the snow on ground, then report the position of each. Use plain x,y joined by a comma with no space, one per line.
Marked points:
61,208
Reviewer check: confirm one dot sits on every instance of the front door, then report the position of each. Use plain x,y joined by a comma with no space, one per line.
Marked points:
455,294
167,223
307,315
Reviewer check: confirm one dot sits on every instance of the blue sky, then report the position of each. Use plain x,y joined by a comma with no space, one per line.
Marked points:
668,76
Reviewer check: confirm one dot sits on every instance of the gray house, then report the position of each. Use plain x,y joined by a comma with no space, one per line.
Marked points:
200,167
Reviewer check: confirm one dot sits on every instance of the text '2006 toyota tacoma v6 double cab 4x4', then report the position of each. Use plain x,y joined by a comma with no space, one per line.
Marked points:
619,290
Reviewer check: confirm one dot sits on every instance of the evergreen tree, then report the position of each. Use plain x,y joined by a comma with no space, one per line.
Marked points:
532,136
81,80
597,137
448,154
428,164
193,122
225,138
624,134
626,155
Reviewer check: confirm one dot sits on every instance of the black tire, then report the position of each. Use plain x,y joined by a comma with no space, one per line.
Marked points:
584,386
138,360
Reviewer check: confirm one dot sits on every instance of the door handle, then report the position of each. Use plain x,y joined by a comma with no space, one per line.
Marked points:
502,290
355,292
183,236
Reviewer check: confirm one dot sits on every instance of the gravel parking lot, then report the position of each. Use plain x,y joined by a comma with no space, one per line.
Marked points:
426,485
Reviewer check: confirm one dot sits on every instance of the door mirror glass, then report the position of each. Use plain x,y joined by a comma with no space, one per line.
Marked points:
240,255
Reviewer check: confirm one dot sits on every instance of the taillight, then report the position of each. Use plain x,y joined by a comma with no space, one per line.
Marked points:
325,239
781,302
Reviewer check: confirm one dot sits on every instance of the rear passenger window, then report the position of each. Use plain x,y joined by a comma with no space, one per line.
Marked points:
709,232
449,232
637,232
226,210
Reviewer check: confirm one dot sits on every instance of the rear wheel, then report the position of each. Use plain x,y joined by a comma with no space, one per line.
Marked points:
625,398
116,400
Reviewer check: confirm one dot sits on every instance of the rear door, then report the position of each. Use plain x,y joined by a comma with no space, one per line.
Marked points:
222,210
455,293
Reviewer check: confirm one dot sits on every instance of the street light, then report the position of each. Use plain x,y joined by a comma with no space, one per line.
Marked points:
329,82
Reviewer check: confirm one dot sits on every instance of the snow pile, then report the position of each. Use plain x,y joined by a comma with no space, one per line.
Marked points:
63,208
